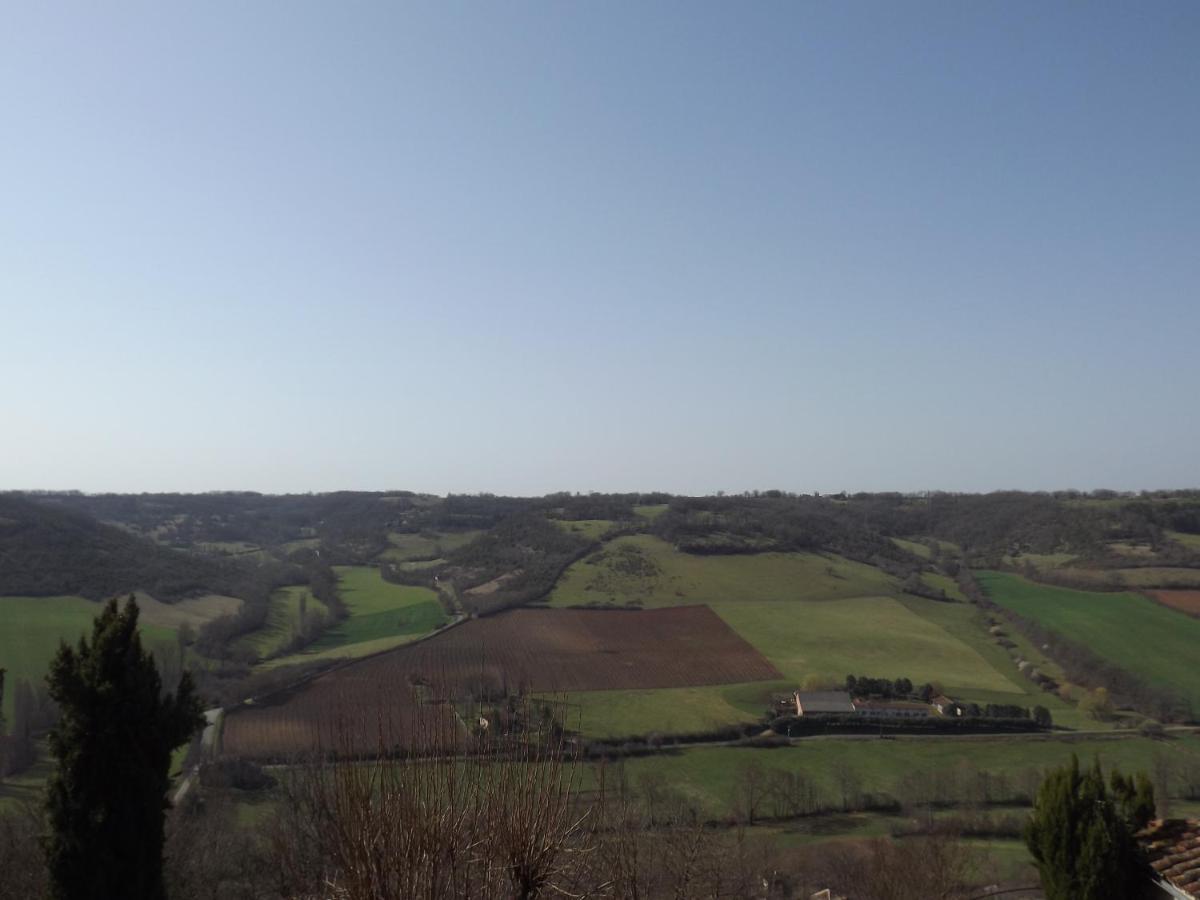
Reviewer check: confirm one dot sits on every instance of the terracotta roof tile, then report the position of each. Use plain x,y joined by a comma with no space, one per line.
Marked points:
1173,848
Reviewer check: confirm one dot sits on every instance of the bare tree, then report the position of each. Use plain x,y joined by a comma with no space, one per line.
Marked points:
749,792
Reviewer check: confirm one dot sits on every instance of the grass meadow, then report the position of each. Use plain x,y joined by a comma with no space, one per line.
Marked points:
1133,632
707,776
34,626
425,545
591,529
382,615
647,569
1191,541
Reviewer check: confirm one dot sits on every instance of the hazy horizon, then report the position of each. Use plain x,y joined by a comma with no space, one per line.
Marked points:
527,248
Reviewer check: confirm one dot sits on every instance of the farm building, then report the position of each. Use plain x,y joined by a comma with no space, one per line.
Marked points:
810,702
945,705
892,709
1173,850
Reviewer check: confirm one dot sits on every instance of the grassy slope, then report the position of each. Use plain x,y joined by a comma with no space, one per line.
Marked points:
685,579
1141,636
706,775
412,546
34,626
382,615
861,635
282,621
1191,541
920,550
588,528
944,583
968,624
618,714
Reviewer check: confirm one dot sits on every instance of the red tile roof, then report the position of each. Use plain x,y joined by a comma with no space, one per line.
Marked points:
1173,848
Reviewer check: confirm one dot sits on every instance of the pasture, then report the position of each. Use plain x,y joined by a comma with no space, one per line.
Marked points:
707,776
1133,632
865,635
1191,541
34,626
921,550
648,570
424,545
684,710
592,529
540,650
382,616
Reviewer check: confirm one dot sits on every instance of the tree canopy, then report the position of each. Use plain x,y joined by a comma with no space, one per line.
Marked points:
113,744
1081,834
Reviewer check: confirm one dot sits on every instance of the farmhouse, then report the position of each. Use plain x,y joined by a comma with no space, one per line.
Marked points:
810,702
1173,849
892,709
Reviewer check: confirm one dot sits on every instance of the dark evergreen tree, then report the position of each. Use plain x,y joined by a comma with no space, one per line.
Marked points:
1082,839
1042,717
113,743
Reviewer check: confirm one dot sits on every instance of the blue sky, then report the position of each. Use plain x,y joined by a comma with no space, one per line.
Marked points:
532,247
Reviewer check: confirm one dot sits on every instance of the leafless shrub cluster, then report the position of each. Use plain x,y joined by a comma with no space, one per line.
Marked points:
935,867
22,865
503,820
498,821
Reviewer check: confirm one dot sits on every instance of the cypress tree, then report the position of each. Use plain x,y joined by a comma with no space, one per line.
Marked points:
113,743
1082,839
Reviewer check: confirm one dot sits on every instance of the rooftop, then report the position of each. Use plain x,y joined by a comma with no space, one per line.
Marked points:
1173,848
890,704
824,701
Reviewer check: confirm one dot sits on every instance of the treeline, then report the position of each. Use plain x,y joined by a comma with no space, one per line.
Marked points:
772,521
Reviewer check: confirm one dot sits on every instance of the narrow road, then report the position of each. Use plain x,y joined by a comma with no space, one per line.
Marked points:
208,740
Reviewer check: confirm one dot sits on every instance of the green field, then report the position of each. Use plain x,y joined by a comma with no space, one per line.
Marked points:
382,615
591,529
1136,634
619,714
650,512
424,545
944,583
283,619
706,776
879,636
34,626
1191,541
647,569
921,550
968,624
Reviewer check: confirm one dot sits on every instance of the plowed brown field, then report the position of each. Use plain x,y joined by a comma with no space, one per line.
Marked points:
1184,601
560,650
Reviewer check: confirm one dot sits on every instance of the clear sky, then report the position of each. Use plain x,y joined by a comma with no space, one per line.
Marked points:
599,246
